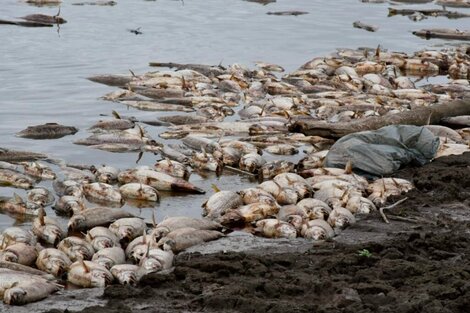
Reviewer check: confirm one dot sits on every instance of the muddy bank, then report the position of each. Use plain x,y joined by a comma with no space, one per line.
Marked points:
418,263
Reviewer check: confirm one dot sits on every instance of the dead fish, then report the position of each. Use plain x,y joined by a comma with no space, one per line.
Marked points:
242,146
460,121
360,205
274,168
454,3
15,179
88,274
47,131
108,257
288,195
228,156
269,67
12,235
45,19
183,238
282,149
248,213
173,154
172,223
139,192
9,166
20,156
317,230
116,124
314,160
99,3
383,188
251,163
157,180
368,27
206,161
256,195
101,237
314,208
158,259
199,143
157,106
47,229
53,261
126,229
76,248
39,170
183,119
106,174
221,202
102,192
69,205
25,291
40,196
126,274
137,248
96,217
287,13
274,228
341,218
270,186
173,168
67,188
20,253
16,205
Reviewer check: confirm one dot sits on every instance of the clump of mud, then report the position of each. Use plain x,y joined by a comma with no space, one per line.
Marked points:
424,266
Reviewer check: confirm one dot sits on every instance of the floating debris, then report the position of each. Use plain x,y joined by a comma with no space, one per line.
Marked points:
368,27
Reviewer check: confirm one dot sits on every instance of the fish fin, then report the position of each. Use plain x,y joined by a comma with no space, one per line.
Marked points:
222,134
116,115
17,199
141,153
85,267
215,188
377,52
144,237
154,220
41,216
348,168
132,73
204,152
170,164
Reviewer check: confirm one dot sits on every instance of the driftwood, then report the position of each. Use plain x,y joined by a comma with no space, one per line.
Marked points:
444,33
419,117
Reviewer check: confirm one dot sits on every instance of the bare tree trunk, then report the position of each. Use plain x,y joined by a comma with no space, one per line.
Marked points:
419,117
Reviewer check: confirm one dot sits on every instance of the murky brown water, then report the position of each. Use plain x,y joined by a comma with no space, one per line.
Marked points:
43,70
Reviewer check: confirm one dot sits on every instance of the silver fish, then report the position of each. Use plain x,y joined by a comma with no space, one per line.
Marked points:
76,248
53,261
12,235
20,253
69,205
15,179
40,196
102,192
88,274
108,257
47,229
221,202
39,170
101,237
47,131
274,228
126,229
139,192
95,217
126,274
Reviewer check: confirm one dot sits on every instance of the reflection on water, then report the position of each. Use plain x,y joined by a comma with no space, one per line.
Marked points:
43,70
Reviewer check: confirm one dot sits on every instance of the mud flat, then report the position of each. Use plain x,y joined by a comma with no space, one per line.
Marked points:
420,262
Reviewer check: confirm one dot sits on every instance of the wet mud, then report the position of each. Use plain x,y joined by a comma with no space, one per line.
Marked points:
420,262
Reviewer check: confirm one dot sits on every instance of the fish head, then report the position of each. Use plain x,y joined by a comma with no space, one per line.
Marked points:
138,253
105,262
316,233
56,267
48,174
295,220
341,222
128,278
15,295
106,178
9,256
52,235
100,279
77,222
125,233
102,243
159,232
151,265
23,183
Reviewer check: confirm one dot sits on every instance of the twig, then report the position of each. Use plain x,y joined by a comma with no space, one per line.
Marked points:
381,210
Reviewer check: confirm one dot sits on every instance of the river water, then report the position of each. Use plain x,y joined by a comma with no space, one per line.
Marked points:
43,70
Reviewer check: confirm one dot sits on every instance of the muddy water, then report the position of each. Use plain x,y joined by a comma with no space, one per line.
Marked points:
43,70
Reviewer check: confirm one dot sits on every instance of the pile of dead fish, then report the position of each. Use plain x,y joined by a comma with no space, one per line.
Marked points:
289,205
347,85
112,247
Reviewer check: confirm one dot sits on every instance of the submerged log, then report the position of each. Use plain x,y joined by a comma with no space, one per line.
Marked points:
443,33
419,117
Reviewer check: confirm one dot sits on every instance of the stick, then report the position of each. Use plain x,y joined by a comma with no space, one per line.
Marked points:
381,210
